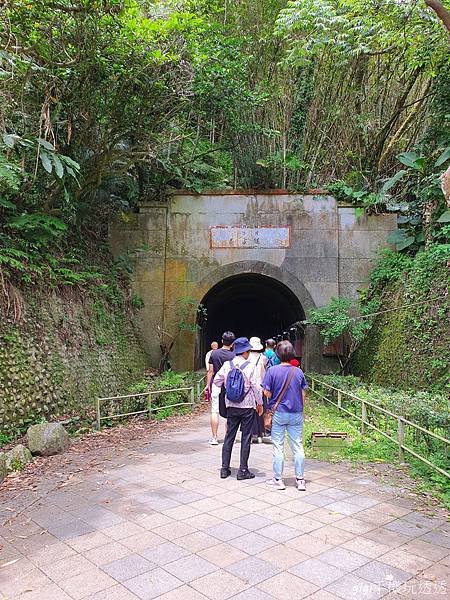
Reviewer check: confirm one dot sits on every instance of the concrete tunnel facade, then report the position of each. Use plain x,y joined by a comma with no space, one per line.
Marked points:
257,262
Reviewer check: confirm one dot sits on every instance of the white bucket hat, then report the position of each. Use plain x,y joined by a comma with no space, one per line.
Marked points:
255,343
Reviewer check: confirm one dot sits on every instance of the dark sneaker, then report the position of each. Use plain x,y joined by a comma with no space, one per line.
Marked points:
224,473
244,475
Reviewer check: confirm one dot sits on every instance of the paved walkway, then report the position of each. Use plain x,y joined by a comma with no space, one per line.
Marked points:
159,523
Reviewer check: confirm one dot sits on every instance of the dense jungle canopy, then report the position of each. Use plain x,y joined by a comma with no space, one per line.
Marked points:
104,102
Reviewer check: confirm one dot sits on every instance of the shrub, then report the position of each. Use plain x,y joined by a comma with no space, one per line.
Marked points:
391,267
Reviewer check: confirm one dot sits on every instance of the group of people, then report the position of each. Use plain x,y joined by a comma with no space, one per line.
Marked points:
257,388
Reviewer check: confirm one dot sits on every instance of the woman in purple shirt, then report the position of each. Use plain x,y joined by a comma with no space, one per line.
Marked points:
288,416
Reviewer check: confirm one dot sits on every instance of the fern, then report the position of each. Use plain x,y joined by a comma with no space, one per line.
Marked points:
38,228
10,177
15,259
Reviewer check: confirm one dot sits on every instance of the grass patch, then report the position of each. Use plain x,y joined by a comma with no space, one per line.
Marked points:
370,447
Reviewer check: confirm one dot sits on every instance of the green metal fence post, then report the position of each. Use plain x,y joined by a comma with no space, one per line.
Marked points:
192,392
363,416
149,405
400,438
97,413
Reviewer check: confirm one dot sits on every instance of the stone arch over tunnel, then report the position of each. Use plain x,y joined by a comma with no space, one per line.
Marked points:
251,298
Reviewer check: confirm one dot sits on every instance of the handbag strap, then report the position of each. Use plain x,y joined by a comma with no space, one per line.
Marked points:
283,391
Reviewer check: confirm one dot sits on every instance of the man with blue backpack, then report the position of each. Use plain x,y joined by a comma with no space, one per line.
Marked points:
242,397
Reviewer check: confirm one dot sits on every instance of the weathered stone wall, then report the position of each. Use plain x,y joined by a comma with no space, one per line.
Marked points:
329,251
63,355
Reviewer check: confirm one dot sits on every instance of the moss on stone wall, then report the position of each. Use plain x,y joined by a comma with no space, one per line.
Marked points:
62,355
409,347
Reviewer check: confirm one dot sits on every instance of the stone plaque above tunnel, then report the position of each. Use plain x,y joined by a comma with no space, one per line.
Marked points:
250,237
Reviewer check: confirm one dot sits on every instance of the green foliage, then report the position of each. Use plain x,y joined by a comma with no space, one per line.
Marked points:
340,317
168,380
369,201
162,403
4,439
189,313
34,261
163,414
136,302
322,417
38,228
350,27
369,59
445,217
408,345
391,267
286,167
423,408
414,193
419,200
108,103
10,180
403,239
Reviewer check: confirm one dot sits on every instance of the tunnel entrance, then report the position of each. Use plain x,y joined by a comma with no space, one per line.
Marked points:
248,304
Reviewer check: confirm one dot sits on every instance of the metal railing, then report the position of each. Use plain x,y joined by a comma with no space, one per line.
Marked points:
193,392
402,425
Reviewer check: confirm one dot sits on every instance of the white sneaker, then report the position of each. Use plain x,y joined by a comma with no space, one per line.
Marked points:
213,441
278,484
301,485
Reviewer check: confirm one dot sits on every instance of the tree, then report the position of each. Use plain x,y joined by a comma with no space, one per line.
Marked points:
344,317
374,66
104,103
188,316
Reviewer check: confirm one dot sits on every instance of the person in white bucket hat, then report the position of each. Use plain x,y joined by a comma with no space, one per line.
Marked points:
260,361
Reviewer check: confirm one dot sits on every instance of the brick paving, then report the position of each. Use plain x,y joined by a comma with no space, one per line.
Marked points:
159,523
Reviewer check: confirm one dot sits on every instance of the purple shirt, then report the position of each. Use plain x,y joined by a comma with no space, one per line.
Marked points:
274,381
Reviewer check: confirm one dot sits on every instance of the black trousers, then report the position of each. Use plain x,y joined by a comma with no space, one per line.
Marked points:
236,417
258,429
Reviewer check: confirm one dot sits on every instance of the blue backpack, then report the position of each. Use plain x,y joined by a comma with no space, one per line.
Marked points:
235,384
272,360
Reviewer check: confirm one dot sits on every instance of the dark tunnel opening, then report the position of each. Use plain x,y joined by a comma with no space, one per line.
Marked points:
249,305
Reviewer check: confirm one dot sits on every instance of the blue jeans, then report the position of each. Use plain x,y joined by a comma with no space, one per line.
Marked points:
292,424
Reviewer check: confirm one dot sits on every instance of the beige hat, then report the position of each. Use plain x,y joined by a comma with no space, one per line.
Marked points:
255,343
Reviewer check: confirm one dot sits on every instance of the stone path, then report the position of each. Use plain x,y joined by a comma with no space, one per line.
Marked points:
159,523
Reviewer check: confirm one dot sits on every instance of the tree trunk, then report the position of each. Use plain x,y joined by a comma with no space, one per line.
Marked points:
445,185
403,127
440,10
